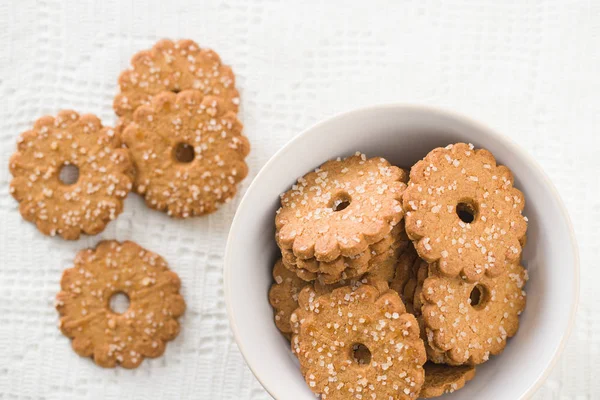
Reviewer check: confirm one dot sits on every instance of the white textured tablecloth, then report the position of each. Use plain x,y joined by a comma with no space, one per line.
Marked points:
528,69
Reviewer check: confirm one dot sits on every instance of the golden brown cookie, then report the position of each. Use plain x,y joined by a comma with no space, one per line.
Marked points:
384,270
173,67
404,281
358,343
188,151
283,295
433,355
421,269
99,332
463,212
411,272
309,269
345,268
94,198
340,210
441,379
470,321
379,276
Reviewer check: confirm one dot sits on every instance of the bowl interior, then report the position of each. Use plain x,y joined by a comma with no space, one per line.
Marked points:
403,135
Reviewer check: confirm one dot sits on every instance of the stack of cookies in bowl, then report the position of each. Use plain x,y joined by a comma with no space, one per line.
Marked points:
393,285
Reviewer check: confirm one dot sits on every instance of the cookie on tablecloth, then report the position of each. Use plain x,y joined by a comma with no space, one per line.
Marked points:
98,331
173,67
188,151
92,196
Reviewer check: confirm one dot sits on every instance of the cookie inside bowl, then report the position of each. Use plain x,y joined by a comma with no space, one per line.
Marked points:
402,135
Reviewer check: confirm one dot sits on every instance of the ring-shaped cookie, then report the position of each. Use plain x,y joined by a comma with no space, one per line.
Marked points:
471,321
141,331
188,151
339,211
69,208
463,211
348,341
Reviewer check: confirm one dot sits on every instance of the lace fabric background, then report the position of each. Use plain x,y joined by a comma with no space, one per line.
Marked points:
529,69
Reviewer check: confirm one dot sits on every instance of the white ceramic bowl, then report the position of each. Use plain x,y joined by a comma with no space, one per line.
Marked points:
403,135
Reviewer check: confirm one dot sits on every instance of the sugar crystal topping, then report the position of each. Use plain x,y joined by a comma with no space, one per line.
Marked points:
341,208
463,211
104,175
327,330
213,137
140,331
470,332
174,66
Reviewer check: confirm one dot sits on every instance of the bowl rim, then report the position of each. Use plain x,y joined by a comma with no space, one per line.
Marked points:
535,385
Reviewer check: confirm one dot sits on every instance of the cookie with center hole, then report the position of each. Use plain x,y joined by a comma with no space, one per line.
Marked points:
173,66
467,321
358,341
463,212
340,210
110,336
188,151
441,379
70,175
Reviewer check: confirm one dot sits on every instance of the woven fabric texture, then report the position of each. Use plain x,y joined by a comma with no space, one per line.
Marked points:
529,69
